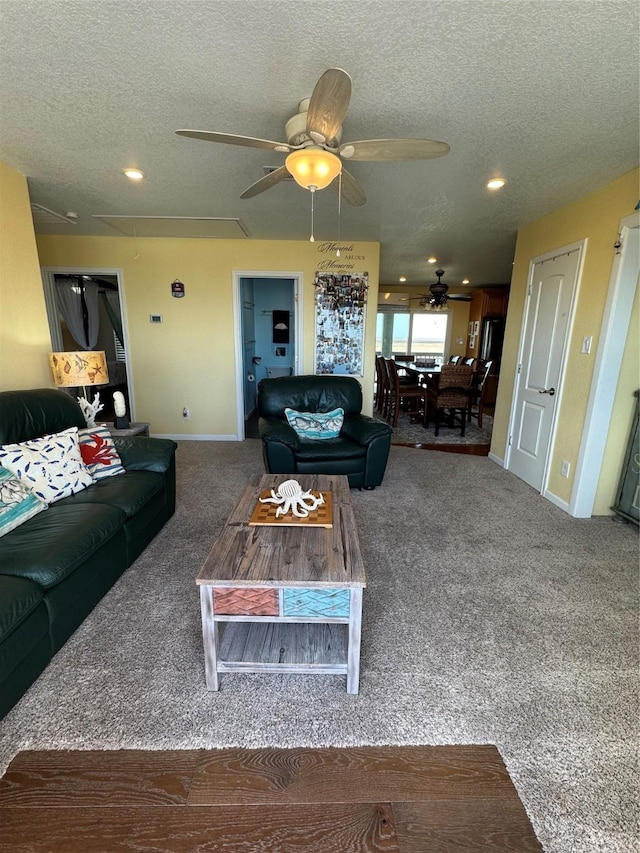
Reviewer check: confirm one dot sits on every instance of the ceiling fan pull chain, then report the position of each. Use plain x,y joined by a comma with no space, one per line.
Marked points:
312,239
339,211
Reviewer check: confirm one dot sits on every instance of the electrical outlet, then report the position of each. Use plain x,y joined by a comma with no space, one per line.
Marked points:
566,467
186,414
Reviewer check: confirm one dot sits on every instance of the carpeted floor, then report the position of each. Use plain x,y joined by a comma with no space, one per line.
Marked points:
490,616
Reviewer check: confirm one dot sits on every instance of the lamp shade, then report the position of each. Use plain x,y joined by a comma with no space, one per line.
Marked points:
79,368
313,168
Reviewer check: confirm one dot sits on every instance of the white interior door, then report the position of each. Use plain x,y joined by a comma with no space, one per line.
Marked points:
548,311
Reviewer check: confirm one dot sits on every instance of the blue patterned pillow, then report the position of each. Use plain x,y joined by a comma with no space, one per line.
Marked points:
17,502
51,466
316,424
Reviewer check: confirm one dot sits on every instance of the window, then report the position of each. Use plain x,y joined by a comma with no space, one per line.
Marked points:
428,334
423,333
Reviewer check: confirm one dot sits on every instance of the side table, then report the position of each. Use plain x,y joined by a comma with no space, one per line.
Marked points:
140,428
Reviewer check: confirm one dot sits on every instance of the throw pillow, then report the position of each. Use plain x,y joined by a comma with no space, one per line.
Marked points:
51,466
17,502
99,452
316,424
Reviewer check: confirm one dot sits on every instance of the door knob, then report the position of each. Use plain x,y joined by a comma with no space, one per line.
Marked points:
549,391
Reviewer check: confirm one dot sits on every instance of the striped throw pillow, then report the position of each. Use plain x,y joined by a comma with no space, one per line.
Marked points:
99,452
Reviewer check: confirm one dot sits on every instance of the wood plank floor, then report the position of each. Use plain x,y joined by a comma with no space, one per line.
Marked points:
358,800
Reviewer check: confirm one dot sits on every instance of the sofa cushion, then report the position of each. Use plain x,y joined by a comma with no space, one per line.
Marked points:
308,394
99,453
18,598
32,413
52,465
53,544
316,425
17,502
332,448
25,645
130,492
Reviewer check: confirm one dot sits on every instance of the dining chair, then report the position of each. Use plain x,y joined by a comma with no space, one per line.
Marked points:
378,400
454,359
484,395
452,396
401,394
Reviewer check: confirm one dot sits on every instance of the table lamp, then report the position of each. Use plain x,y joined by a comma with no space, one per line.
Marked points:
80,370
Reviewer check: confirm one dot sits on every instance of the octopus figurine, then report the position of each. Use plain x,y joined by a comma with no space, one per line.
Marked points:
291,498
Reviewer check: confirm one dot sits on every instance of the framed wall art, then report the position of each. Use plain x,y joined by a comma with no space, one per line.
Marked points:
340,317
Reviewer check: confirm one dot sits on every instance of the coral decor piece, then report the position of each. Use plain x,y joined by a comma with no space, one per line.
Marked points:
291,498
90,410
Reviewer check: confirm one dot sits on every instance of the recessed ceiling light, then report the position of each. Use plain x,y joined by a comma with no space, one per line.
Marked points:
402,278
432,260
496,183
465,281
134,174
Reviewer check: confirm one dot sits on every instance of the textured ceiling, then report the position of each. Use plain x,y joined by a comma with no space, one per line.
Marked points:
544,93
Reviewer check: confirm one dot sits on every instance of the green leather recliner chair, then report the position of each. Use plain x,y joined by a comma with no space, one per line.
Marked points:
361,449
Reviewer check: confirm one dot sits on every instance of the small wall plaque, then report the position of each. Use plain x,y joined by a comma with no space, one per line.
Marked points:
177,289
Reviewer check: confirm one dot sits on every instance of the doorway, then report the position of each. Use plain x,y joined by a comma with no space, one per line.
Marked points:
548,316
268,336
109,328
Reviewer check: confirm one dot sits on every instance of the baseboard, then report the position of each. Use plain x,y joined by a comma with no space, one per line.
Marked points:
554,499
177,437
497,459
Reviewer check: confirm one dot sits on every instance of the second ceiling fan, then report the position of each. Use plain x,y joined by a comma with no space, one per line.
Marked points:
438,295
317,127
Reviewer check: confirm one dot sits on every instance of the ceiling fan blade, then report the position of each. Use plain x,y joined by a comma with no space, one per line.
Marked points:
328,105
393,149
232,139
352,191
270,180
459,298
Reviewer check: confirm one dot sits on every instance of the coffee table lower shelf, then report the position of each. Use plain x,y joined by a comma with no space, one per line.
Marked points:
314,648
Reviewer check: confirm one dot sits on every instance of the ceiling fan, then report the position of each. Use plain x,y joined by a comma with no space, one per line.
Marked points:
438,295
314,143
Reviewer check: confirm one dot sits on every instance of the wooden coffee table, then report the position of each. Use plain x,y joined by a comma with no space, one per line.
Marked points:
284,598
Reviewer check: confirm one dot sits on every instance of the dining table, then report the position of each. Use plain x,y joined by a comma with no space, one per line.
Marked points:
431,374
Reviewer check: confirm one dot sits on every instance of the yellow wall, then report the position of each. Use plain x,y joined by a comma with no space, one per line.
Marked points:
597,218
24,331
189,359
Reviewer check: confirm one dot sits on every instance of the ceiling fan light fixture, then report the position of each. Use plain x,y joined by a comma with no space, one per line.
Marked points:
313,168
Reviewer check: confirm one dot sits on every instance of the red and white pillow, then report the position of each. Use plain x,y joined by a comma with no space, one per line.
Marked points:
99,452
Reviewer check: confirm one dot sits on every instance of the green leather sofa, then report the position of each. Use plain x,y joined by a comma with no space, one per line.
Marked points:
56,566
360,451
